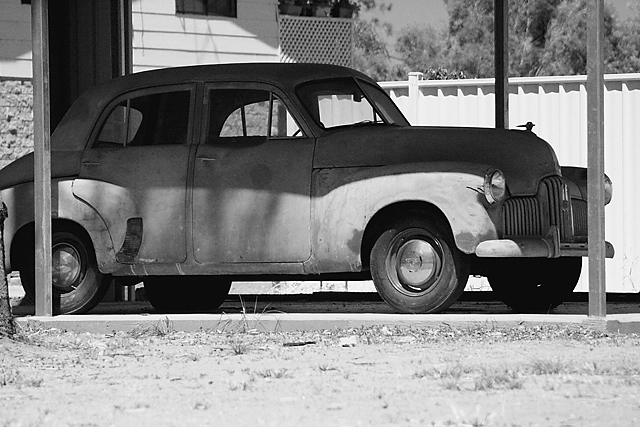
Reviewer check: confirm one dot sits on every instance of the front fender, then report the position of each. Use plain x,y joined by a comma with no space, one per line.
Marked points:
345,200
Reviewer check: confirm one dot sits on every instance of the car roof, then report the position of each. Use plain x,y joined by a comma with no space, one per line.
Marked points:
81,116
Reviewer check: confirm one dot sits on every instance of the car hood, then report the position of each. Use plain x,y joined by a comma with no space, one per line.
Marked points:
521,155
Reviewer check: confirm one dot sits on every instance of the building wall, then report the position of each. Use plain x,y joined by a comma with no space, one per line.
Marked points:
161,38
15,39
16,119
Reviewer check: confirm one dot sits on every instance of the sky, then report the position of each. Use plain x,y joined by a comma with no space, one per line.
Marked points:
406,12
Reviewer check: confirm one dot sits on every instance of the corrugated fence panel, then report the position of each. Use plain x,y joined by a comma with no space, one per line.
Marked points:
558,107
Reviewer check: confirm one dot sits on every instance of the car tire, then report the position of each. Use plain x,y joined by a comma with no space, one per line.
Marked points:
77,283
186,294
416,267
535,285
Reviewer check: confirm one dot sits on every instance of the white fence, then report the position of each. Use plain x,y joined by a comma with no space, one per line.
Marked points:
558,107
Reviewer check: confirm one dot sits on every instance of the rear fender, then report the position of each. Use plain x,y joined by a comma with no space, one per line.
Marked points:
64,206
110,207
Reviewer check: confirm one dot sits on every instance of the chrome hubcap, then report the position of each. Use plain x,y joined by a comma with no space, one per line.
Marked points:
66,267
417,263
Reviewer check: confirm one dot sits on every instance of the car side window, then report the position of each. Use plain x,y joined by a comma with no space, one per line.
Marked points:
243,114
152,119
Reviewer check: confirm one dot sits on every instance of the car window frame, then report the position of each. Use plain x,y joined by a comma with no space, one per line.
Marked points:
154,90
274,90
386,119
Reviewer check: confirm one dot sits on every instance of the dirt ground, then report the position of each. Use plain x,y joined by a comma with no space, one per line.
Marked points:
377,376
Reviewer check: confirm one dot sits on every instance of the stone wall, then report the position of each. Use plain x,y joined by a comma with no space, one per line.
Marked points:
16,119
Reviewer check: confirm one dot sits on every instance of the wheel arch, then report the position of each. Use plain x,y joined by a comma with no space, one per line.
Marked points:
21,241
376,224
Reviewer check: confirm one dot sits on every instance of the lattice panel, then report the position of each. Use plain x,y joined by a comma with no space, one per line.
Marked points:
315,40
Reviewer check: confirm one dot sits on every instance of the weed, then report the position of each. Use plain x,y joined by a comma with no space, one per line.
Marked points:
163,328
238,346
323,367
9,376
549,366
477,420
201,405
454,371
451,384
504,378
273,373
239,386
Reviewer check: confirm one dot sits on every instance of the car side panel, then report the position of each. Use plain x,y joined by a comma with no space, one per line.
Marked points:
140,182
345,200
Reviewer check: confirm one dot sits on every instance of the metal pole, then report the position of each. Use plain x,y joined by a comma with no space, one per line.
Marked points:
42,155
595,158
501,41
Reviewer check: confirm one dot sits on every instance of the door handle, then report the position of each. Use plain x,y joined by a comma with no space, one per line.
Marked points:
90,163
207,159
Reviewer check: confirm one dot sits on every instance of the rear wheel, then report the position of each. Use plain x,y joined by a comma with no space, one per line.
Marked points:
416,266
535,285
78,285
186,294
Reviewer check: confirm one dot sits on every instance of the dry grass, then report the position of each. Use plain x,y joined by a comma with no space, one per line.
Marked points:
463,366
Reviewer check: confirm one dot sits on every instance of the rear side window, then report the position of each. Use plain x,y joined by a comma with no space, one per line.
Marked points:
150,119
238,114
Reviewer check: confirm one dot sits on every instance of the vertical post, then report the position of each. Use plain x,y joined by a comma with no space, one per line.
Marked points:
124,36
595,158
501,40
414,97
42,155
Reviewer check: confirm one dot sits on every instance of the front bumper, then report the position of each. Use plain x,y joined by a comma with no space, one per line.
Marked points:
530,247
551,224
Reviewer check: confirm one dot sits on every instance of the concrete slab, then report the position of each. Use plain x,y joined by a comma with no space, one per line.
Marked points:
278,322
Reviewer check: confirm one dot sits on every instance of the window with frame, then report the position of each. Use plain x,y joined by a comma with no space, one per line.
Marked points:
153,119
249,113
227,8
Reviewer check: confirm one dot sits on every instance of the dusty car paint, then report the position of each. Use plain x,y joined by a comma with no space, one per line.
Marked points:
345,199
505,150
305,202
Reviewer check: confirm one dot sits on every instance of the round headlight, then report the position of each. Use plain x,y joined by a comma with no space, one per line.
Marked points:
608,190
495,186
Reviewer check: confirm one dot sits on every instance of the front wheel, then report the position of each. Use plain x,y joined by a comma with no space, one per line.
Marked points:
535,285
78,285
416,267
186,294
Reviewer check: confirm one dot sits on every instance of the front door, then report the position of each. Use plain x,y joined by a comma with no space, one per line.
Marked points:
252,179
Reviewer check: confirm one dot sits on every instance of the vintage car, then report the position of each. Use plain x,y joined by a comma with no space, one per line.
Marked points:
189,178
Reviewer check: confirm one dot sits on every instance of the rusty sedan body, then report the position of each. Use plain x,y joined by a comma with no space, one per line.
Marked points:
274,171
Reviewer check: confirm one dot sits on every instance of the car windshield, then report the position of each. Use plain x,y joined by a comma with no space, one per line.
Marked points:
348,102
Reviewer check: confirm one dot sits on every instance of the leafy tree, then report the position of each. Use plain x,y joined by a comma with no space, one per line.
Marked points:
566,50
625,43
546,37
371,55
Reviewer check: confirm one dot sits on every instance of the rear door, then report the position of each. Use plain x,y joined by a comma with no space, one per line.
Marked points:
134,173
252,179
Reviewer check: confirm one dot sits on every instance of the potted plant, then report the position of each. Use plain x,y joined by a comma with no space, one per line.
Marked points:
290,7
343,9
322,8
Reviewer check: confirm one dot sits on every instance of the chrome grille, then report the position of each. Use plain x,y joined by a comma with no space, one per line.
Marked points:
522,217
579,208
533,216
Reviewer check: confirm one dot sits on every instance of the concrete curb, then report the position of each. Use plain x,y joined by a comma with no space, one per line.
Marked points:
280,322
